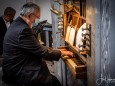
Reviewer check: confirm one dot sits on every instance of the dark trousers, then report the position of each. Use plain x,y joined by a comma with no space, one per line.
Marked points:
44,79
55,81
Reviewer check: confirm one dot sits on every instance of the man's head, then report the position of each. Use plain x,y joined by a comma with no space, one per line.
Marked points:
30,11
9,14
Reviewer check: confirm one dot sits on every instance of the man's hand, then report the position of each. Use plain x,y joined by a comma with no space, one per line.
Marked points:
66,53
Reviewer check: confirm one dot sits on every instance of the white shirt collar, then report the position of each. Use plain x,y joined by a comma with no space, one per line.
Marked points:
7,23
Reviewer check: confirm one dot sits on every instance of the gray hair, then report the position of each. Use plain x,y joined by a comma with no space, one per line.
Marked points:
29,8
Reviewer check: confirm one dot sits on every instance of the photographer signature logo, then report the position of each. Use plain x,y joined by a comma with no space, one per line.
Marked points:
100,81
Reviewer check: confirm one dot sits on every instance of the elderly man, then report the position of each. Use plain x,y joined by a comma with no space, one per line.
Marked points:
23,62
5,22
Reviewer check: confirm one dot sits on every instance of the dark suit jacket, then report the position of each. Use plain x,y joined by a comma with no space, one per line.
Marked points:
3,30
23,56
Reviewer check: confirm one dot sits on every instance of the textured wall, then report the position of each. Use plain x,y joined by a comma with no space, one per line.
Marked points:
45,6
16,4
93,61
100,66
112,42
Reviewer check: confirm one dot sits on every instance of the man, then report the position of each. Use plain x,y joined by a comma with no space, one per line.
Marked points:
5,22
23,62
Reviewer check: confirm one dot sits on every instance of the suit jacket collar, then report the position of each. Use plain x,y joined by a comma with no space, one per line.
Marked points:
21,20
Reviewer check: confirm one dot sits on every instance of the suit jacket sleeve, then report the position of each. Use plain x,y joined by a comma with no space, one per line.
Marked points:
28,42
